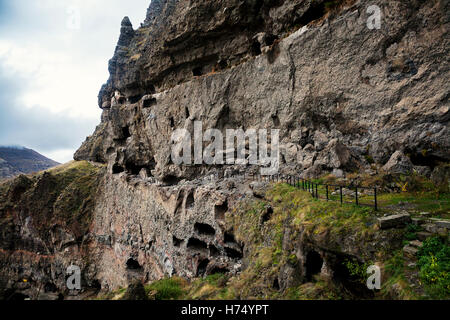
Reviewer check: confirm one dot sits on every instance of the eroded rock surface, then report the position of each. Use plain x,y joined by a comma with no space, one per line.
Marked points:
344,97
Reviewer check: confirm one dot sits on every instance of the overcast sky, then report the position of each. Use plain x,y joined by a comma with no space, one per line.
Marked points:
53,60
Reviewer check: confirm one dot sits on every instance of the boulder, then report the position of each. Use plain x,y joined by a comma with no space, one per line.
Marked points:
336,155
320,140
398,163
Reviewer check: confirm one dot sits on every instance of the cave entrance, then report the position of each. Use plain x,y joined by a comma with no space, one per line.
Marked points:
204,229
132,264
314,263
197,72
351,283
201,269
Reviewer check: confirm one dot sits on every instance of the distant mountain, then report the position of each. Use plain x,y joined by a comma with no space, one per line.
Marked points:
18,160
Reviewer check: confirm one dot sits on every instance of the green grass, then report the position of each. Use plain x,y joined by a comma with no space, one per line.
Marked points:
166,289
396,284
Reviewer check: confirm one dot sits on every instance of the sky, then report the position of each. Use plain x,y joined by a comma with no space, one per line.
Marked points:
53,60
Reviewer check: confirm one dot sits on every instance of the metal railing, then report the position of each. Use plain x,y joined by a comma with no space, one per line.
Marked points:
329,192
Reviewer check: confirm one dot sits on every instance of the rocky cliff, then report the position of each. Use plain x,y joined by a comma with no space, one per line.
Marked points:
345,97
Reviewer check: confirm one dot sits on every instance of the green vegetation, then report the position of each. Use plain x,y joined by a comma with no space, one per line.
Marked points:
396,284
411,231
166,289
357,270
434,264
64,194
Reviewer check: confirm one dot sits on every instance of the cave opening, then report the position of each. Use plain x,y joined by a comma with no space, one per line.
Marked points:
233,253
190,200
213,251
126,132
196,244
201,268
177,242
149,102
223,64
423,158
204,229
229,238
136,169
132,264
151,88
117,169
134,99
267,214
220,210
276,284
171,180
197,72
314,263
315,11
350,282
50,287
256,48
276,121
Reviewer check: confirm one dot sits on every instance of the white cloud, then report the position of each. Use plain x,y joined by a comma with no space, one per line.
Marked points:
62,67
61,156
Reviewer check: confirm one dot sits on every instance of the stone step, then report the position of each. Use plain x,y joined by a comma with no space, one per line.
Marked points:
442,223
425,214
410,251
416,243
423,235
394,220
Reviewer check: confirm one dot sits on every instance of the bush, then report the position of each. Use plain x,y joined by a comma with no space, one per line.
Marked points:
434,264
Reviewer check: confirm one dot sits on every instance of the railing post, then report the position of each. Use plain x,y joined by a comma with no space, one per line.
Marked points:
375,197
356,194
317,193
340,190
327,191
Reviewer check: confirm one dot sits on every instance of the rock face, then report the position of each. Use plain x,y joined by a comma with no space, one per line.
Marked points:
339,92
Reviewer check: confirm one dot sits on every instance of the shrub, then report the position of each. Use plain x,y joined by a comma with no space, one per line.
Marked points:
434,264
